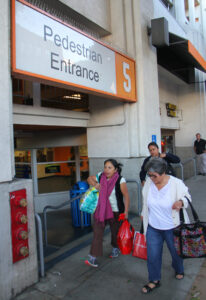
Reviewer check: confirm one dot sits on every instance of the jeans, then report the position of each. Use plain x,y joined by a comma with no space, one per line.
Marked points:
155,239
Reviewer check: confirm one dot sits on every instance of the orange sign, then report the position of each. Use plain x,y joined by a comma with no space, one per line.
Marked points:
125,77
52,52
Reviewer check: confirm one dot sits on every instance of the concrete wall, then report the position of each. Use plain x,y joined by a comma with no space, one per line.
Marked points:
121,130
16,277
115,129
174,27
147,77
175,91
135,123
32,115
13,277
189,98
95,10
190,101
168,93
108,127
6,126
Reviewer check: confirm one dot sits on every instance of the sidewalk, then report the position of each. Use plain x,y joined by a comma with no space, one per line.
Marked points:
122,278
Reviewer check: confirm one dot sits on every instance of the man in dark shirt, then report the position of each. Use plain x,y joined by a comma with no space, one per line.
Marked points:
154,151
199,148
199,144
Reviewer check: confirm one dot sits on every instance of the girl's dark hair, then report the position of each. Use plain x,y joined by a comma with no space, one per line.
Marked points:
153,144
115,164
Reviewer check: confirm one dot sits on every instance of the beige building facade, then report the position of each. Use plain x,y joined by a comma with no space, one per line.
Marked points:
57,129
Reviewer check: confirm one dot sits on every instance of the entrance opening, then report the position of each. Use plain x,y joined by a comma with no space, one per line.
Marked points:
57,168
55,171
55,97
168,141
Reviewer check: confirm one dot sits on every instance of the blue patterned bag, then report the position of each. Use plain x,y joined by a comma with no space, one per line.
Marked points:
88,202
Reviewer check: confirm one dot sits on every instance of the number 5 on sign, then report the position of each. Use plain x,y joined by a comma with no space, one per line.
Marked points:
127,81
125,78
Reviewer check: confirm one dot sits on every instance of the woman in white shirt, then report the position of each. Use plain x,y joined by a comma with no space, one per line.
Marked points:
163,197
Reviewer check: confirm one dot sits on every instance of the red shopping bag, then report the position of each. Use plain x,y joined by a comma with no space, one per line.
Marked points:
125,237
140,246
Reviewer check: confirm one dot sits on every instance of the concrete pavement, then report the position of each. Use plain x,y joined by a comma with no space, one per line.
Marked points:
122,278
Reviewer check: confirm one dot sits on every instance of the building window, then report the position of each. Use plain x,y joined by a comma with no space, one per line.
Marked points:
196,8
84,163
168,3
64,99
57,169
51,96
22,91
23,164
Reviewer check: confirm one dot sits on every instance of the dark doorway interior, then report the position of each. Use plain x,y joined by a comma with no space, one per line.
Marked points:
167,141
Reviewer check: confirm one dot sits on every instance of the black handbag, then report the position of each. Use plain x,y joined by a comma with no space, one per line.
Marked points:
190,239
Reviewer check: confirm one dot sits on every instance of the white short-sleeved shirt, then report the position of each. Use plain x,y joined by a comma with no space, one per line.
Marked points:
112,197
160,207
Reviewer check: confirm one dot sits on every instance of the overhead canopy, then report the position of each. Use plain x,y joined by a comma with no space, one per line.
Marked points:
180,58
174,53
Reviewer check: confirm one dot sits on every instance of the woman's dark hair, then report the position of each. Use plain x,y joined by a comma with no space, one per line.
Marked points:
153,144
156,164
115,164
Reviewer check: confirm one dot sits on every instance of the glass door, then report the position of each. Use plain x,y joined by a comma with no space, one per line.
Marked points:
59,168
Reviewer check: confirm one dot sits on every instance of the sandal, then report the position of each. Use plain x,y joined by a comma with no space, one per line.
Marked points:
149,289
179,274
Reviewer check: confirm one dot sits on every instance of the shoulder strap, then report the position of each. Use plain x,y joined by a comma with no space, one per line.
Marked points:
100,175
194,213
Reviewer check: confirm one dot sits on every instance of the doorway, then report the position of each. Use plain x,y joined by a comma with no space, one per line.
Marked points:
54,171
168,141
